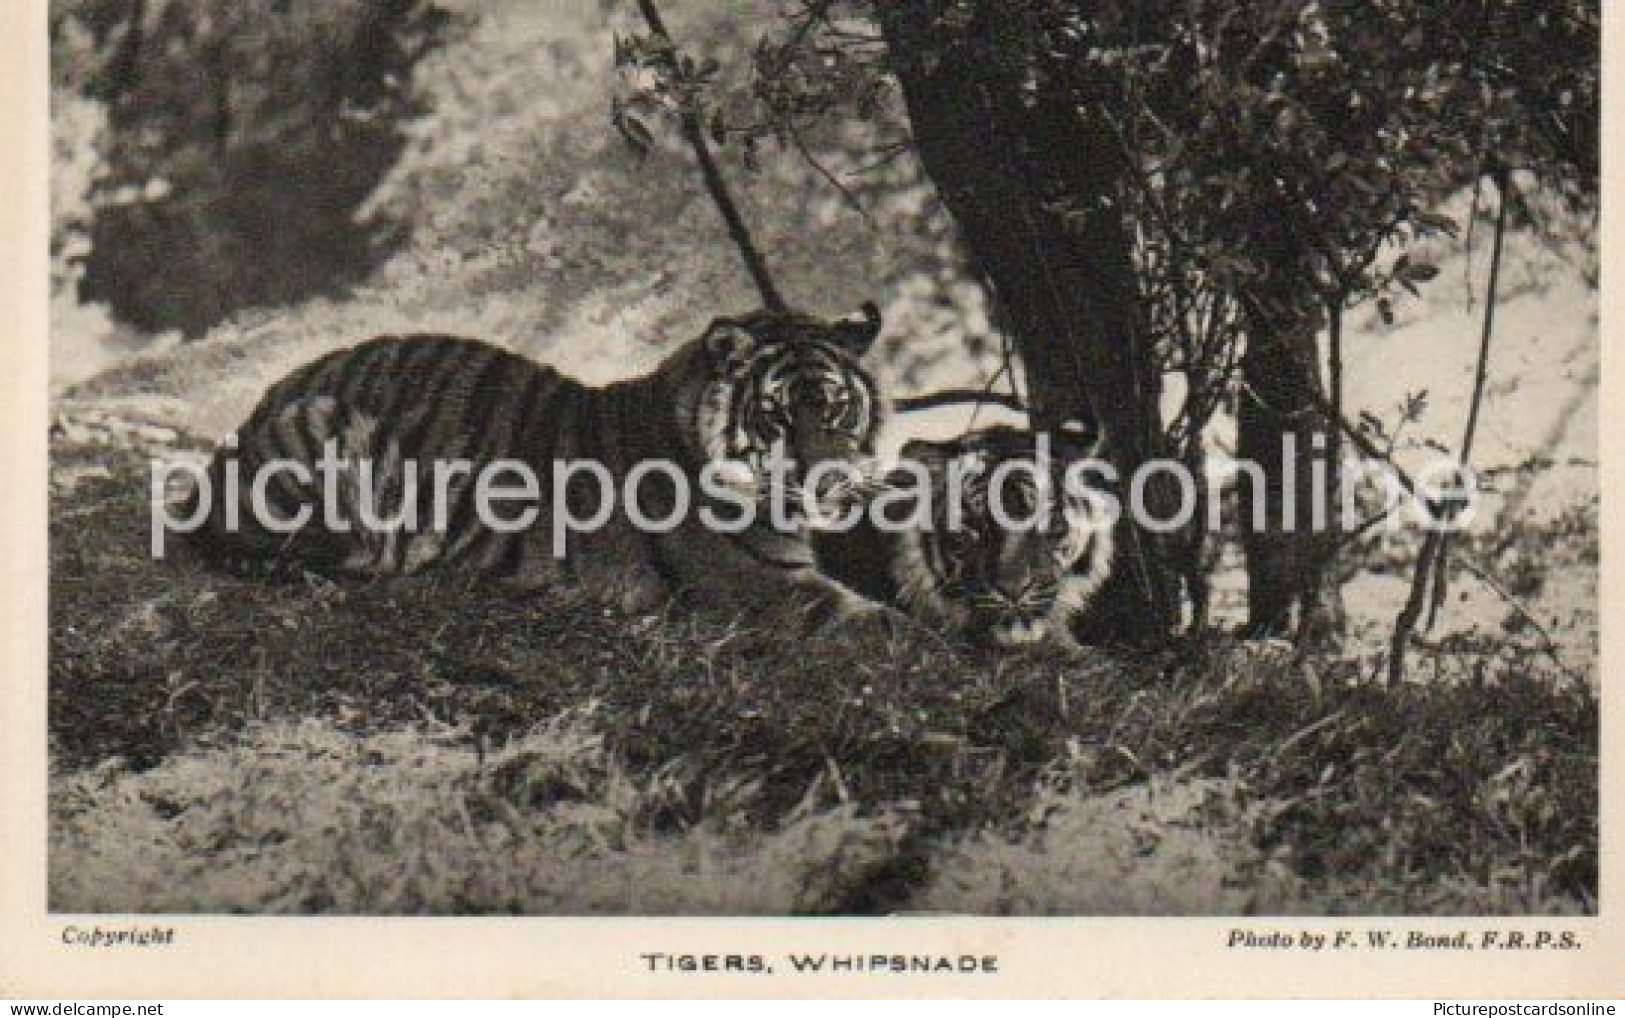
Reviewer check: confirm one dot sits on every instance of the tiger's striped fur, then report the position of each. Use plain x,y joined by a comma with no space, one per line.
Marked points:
750,388
977,580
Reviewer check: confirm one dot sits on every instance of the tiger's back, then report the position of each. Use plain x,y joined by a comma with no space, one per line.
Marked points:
389,402
408,423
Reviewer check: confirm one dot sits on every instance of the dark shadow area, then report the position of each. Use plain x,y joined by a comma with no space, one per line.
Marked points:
242,142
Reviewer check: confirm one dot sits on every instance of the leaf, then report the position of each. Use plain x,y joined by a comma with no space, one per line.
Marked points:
1437,222
1418,272
635,132
719,128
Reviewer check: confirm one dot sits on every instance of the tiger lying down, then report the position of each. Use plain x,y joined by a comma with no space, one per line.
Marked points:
991,584
392,409
389,458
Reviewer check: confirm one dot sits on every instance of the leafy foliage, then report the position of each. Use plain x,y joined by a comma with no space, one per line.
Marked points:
1272,150
1273,162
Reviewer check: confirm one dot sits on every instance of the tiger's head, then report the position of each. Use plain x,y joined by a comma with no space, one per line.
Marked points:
786,388
1012,552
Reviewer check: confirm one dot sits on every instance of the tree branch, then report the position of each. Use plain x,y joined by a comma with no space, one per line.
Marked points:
958,397
1432,562
694,133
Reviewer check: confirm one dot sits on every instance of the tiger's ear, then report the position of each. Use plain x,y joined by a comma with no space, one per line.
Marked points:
1077,534
857,332
726,343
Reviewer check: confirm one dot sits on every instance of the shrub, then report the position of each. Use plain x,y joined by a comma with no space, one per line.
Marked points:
242,138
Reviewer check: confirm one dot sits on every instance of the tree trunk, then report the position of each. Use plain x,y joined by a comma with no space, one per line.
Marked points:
1034,187
1278,420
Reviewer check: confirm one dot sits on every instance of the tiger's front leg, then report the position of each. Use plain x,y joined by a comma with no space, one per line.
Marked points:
834,606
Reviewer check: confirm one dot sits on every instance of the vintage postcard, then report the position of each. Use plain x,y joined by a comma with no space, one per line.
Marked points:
922,498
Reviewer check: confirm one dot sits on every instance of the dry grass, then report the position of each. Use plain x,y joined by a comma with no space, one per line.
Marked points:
223,744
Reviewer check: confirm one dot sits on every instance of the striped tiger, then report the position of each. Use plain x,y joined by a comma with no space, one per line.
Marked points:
982,582
750,389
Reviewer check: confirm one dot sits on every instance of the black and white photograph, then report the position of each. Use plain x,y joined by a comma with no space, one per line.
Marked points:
824,458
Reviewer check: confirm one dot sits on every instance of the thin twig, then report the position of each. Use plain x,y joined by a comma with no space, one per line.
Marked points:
1405,624
715,183
1367,447
1503,185
1431,562
1549,647
829,176
1441,580
958,397
890,152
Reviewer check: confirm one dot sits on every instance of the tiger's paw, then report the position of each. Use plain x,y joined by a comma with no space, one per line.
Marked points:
865,620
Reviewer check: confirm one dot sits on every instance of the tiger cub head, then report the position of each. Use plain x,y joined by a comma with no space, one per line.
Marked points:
785,388
1009,570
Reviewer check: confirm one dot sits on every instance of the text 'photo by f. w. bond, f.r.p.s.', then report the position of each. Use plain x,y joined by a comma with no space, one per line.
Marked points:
677,458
